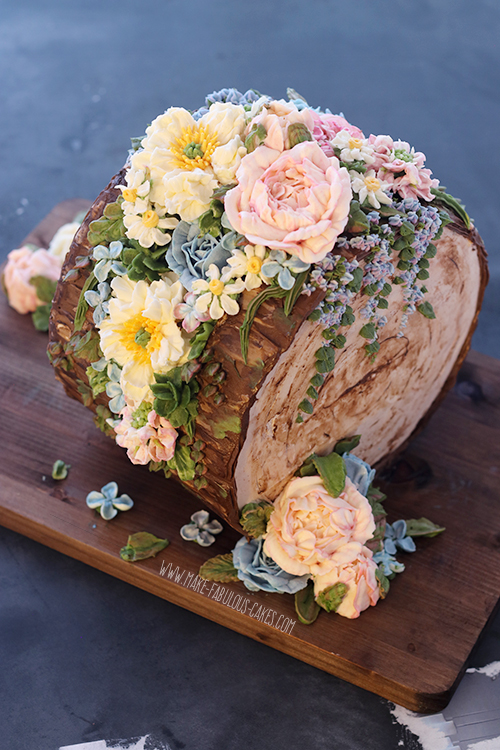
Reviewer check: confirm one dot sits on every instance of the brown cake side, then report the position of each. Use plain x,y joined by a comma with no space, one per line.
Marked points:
253,444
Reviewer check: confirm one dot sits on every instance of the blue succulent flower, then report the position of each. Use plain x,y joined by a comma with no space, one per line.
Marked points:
107,501
280,264
107,261
190,255
395,537
99,301
359,472
260,573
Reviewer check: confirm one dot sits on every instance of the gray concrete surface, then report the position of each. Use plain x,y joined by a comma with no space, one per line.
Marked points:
84,656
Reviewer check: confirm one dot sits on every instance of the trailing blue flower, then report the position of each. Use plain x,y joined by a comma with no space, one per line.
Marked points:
395,537
107,258
281,265
99,301
260,573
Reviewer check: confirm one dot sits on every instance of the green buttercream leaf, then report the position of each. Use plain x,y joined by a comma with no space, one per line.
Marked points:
231,423
60,470
255,138
368,331
220,569
358,221
306,606
294,293
454,204
332,471
325,359
109,227
427,310
82,307
142,545
100,420
182,463
383,583
40,317
97,380
298,133
45,288
331,598
423,527
87,346
199,340
270,292
376,497
85,392
254,518
346,445
357,282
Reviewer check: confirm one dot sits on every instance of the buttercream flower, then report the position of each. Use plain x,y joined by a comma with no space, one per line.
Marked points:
297,201
327,126
141,333
370,188
154,440
260,573
188,158
107,260
99,301
395,537
146,227
190,255
190,316
201,530
247,263
215,294
136,192
402,168
281,265
107,501
353,149
276,118
359,576
309,530
22,265
61,241
359,472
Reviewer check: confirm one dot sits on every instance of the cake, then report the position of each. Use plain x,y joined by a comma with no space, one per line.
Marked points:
258,284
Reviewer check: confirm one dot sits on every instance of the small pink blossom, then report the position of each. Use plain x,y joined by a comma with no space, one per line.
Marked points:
401,167
276,118
22,265
191,318
326,128
154,441
296,200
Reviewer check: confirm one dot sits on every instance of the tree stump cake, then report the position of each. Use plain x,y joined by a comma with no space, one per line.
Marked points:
290,383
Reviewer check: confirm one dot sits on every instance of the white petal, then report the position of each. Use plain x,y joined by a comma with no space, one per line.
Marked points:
229,305
95,499
200,517
124,502
110,490
189,532
107,511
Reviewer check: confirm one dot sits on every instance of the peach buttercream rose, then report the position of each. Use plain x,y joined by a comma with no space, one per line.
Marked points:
357,571
296,200
22,265
309,530
276,117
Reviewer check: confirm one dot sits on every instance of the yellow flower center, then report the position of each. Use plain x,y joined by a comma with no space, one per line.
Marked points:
129,194
216,286
194,148
254,264
129,331
355,143
372,184
150,219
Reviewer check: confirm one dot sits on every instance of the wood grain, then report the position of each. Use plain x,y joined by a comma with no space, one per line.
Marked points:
411,648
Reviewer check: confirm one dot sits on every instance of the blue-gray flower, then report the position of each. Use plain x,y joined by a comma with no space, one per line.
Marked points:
260,573
395,536
280,264
107,261
107,501
201,530
388,563
113,388
359,472
190,255
99,301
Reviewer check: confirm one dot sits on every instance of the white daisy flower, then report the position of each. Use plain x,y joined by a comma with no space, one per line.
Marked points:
368,186
147,227
214,295
247,263
353,149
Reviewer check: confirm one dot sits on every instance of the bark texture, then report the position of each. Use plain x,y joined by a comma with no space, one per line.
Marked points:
253,443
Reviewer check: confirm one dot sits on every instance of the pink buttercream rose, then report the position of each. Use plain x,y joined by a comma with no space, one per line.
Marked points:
22,265
309,531
154,441
358,573
400,166
296,200
326,127
276,117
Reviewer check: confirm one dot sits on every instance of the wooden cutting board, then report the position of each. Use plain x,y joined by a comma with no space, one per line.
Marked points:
411,648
